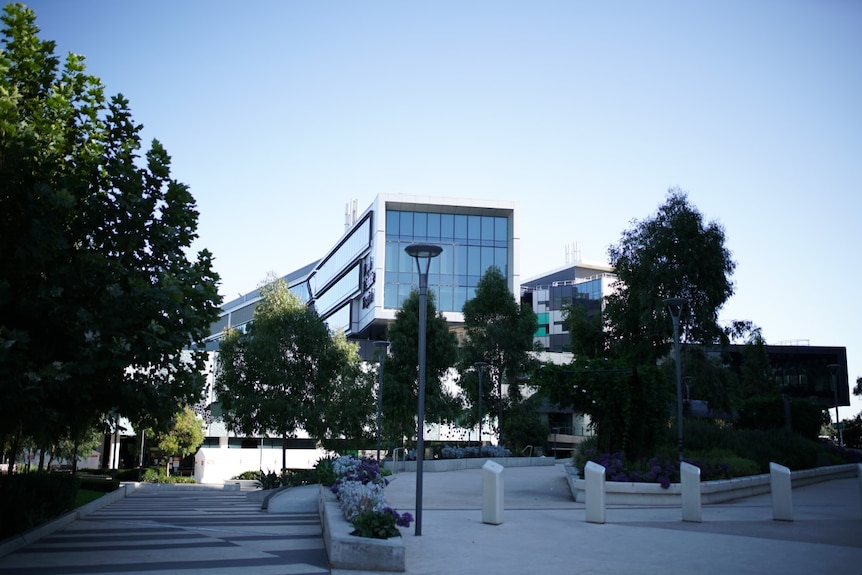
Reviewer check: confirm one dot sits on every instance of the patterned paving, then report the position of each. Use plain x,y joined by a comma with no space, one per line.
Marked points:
186,532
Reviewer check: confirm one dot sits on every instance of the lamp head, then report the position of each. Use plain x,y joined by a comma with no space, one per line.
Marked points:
423,251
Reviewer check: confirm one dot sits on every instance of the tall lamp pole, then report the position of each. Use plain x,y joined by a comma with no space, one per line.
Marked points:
382,346
833,372
674,306
479,365
422,253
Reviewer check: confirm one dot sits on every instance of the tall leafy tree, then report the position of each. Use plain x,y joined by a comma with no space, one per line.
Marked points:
401,381
181,437
98,295
588,337
498,331
348,415
288,373
671,254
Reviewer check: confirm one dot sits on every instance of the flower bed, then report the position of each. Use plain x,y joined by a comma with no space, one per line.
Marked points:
356,498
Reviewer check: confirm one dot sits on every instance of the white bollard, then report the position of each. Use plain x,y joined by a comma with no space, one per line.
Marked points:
782,498
594,474
492,493
690,486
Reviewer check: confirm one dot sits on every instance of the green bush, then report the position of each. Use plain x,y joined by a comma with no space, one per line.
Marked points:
28,500
154,475
103,484
325,471
248,476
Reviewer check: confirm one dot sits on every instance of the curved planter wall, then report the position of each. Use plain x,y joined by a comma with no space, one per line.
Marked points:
619,493
439,465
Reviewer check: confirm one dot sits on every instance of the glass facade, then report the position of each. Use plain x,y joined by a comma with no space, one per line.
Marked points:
471,244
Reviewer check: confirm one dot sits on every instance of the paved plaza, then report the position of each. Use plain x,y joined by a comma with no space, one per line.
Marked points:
199,530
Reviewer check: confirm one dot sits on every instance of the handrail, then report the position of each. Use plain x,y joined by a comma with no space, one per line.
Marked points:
530,447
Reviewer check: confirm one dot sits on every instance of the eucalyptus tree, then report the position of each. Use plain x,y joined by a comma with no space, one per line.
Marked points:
99,293
401,381
498,331
674,253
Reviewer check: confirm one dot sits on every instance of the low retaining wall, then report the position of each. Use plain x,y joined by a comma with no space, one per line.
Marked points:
620,493
348,551
440,465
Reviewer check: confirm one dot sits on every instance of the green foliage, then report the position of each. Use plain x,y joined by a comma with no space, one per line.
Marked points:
85,496
325,471
95,277
288,372
760,446
400,376
160,476
95,483
182,437
375,524
770,412
852,432
671,254
523,427
628,407
498,331
30,499
152,475
248,476
588,337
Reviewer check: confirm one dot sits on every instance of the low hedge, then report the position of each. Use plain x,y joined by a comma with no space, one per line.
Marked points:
30,499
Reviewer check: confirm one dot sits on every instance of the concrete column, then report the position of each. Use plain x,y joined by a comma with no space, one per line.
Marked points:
492,493
690,485
594,474
782,496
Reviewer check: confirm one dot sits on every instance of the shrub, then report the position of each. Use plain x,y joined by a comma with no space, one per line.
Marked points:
381,525
28,500
325,472
248,476
159,476
102,484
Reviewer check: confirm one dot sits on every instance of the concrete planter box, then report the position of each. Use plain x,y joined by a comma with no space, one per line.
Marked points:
348,551
619,493
440,465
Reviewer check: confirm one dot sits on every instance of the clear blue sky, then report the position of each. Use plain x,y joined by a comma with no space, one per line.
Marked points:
278,113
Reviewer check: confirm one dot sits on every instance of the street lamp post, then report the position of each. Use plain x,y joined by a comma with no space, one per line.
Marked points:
833,372
674,306
382,346
422,253
479,365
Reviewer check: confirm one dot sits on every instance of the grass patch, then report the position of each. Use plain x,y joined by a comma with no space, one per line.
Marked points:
85,496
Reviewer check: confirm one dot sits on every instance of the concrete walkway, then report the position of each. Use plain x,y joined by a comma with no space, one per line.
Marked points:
186,530
216,532
544,531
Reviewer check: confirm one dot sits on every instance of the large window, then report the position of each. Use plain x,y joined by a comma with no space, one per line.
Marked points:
471,244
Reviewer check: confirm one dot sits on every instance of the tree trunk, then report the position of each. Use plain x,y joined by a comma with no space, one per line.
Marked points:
14,446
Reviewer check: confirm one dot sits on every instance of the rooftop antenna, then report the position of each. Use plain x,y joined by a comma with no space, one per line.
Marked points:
351,212
573,253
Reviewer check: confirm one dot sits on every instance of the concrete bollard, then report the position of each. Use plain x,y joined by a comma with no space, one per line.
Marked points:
492,493
690,486
594,474
782,493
